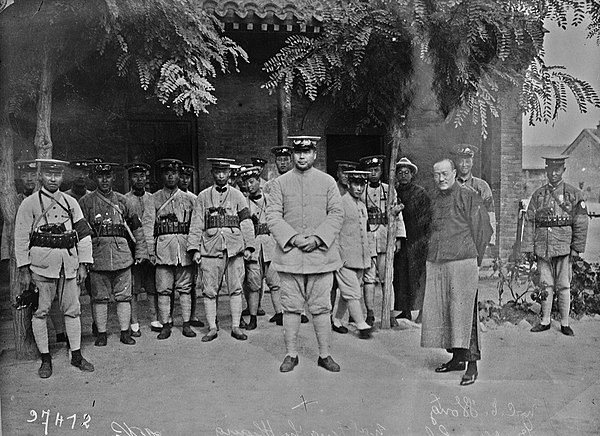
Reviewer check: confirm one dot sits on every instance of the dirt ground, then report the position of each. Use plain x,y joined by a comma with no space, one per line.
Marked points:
529,384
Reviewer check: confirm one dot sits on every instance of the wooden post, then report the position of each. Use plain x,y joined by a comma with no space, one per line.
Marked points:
43,139
397,132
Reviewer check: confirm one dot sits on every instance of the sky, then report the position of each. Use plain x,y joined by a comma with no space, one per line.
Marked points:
581,57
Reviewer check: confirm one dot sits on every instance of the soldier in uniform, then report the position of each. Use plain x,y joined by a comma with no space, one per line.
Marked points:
221,238
555,231
260,163
170,225
80,172
342,178
117,241
53,250
463,159
375,198
186,173
305,215
142,272
258,267
27,171
356,246
283,163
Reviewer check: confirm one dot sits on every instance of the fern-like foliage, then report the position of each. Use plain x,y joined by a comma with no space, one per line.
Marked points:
478,49
173,46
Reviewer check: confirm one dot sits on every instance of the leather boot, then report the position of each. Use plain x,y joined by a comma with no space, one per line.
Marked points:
187,331
252,324
165,332
126,338
101,340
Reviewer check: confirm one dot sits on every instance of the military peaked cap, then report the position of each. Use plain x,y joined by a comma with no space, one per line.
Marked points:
169,164
282,150
370,161
358,176
26,166
464,150
137,167
555,160
304,142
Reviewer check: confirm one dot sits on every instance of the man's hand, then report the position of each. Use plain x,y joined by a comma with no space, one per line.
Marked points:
312,243
24,276
397,209
398,245
81,273
247,254
153,259
197,257
298,241
138,260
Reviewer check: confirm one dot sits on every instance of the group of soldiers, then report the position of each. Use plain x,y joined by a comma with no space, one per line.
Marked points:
308,236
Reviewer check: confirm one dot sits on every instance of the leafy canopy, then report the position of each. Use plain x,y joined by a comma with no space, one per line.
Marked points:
477,49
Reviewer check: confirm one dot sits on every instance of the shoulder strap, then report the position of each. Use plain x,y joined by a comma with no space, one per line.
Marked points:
44,211
168,200
110,203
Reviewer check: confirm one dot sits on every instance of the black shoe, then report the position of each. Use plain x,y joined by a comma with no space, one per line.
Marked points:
238,335
246,312
404,315
540,328
101,340
45,370
260,312
303,319
364,333
289,363
82,364
252,324
468,379
350,319
196,323
165,332
566,330
155,329
126,338
187,331
341,329
210,336
329,364
452,365
277,318
94,329
135,333
243,324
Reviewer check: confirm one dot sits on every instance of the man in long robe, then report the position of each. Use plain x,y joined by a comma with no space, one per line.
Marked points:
460,230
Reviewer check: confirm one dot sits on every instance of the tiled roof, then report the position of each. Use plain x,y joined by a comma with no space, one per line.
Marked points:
532,155
267,11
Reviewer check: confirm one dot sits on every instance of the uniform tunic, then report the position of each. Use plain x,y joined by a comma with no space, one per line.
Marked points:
305,203
356,245
44,261
460,230
216,241
111,253
548,242
484,190
170,249
143,274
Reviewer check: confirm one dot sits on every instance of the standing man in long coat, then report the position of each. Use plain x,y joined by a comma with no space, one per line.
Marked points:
305,216
555,232
409,262
460,230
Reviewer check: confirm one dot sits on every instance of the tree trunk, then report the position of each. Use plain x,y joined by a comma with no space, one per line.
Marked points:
284,109
43,140
397,130
25,346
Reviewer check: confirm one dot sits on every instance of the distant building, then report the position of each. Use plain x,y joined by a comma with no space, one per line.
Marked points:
583,165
